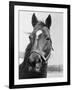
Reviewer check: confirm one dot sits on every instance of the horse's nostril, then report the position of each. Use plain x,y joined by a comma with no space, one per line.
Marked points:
38,60
31,58
30,68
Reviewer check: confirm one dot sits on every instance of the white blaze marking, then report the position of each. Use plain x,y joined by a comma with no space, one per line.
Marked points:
38,33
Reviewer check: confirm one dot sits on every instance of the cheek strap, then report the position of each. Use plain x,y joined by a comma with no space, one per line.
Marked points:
46,59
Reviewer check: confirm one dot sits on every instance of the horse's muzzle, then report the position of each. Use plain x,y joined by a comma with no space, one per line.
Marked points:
35,62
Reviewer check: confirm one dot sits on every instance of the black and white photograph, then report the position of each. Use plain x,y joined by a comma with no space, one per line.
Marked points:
40,44
40,39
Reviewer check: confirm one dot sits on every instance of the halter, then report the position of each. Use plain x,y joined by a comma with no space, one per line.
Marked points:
42,55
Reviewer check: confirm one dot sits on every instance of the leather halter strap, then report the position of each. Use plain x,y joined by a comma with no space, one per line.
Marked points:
42,55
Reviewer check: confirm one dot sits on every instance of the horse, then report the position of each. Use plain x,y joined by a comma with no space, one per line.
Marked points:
38,50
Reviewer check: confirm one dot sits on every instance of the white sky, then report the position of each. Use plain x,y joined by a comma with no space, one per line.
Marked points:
56,32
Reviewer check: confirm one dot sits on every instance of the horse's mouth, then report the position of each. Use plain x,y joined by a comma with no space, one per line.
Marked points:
36,68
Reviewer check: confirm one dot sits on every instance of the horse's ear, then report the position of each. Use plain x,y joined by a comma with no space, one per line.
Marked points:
48,21
34,20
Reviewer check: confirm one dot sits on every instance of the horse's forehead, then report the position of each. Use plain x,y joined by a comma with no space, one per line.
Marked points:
41,27
38,26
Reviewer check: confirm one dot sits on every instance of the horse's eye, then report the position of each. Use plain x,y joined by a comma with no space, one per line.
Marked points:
47,38
30,37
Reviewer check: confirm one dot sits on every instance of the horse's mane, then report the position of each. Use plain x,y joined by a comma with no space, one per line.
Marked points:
27,52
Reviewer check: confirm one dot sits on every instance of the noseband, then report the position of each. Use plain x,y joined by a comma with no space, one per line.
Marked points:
42,57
